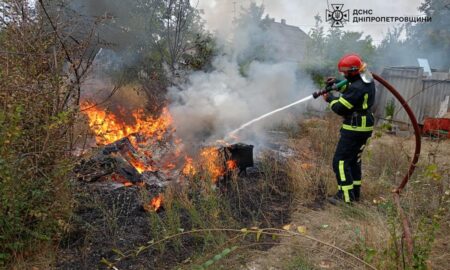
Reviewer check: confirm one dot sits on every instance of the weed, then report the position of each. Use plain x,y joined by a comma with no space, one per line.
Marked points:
298,262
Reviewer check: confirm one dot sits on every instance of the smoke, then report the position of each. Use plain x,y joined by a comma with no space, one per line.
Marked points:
252,77
115,24
211,104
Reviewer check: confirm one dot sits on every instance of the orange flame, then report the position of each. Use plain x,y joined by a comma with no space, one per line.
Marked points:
155,203
231,165
189,169
109,128
138,164
210,159
128,184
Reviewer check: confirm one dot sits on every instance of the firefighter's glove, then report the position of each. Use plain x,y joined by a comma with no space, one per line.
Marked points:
330,81
328,97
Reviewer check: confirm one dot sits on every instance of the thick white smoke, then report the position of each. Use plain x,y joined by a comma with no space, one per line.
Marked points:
211,104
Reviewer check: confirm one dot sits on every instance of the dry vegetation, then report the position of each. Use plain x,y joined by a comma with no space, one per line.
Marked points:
200,220
370,229
241,224
40,79
34,140
47,223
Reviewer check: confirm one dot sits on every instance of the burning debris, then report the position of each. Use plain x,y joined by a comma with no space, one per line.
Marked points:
155,205
109,161
139,150
146,143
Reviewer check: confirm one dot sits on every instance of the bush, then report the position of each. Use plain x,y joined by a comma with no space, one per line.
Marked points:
36,121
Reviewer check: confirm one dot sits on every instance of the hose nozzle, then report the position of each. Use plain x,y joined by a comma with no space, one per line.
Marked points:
329,89
319,93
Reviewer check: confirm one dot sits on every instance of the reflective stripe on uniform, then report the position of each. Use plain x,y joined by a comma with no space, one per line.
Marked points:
333,102
345,103
366,98
341,170
356,182
363,121
345,190
361,129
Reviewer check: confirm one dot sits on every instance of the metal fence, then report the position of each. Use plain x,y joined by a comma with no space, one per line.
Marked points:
423,94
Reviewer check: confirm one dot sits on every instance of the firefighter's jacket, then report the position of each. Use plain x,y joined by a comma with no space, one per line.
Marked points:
354,105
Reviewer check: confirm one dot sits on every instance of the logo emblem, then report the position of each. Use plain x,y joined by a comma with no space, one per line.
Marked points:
338,16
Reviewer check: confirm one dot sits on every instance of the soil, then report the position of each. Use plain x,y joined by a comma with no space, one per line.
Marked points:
108,216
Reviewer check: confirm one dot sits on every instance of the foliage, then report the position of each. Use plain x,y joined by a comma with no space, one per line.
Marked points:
150,43
432,39
401,46
205,50
391,50
215,259
389,109
152,39
327,48
36,120
200,220
195,207
298,263
251,44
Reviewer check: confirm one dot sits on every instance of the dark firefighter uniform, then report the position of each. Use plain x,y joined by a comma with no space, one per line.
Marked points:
354,106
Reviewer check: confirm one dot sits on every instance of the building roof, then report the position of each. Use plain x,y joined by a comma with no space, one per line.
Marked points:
289,40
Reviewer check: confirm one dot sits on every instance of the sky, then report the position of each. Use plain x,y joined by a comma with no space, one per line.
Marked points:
219,13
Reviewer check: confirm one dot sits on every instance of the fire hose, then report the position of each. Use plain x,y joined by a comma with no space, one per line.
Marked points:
396,192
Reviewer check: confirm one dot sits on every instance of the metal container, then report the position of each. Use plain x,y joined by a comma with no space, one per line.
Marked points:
240,153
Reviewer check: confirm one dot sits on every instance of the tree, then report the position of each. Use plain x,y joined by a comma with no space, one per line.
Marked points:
249,41
391,51
432,39
330,47
316,45
149,43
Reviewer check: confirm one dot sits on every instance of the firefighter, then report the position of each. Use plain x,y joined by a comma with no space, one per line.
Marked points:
354,103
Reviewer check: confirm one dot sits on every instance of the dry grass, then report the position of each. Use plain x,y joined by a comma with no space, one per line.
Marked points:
371,229
311,176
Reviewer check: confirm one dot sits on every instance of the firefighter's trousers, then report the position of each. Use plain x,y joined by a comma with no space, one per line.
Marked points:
347,162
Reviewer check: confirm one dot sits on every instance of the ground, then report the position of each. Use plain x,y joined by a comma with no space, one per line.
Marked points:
289,194
363,229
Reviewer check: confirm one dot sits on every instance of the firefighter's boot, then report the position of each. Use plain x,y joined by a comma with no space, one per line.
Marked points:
340,198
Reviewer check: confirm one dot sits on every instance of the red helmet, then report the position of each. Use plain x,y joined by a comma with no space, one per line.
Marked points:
351,64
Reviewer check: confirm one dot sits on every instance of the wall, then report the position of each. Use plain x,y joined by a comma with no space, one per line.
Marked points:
424,95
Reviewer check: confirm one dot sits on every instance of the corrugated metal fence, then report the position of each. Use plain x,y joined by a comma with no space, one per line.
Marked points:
423,94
